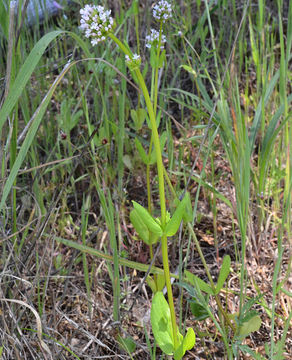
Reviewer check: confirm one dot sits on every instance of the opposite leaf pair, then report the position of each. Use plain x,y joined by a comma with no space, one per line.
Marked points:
149,228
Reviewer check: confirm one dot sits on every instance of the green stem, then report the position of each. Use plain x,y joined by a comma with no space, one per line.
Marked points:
160,185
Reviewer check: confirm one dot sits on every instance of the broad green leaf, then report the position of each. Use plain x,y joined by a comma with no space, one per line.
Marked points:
160,282
158,285
139,226
174,223
187,343
198,310
127,344
148,220
193,279
153,57
162,59
161,323
141,151
151,283
188,213
223,274
250,326
138,117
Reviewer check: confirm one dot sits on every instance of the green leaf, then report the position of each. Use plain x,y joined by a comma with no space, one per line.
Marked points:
162,59
187,344
25,73
151,283
160,282
4,20
199,311
153,57
141,151
189,70
193,279
138,117
127,344
139,226
188,213
248,350
161,323
162,144
148,220
174,223
224,272
250,326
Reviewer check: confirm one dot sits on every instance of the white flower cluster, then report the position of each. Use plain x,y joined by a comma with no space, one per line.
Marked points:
135,57
97,22
162,10
133,62
153,39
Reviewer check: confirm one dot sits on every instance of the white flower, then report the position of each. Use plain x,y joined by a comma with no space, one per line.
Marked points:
134,61
153,39
96,22
162,10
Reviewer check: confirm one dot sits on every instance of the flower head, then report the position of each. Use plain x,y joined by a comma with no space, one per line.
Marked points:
162,10
97,22
134,61
153,39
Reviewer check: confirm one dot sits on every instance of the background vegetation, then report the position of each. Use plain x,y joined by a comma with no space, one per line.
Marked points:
72,269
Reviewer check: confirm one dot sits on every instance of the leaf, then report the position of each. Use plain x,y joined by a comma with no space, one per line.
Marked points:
162,143
139,226
141,151
250,326
188,213
35,122
138,117
127,344
161,323
187,344
151,283
153,57
162,59
160,282
199,311
189,70
25,73
148,220
193,279
174,223
224,272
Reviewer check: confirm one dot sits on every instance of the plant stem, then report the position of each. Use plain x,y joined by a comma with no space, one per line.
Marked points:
156,142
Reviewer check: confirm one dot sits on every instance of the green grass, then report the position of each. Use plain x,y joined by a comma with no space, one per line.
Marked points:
75,150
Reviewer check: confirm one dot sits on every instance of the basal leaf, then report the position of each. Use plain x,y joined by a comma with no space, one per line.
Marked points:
250,326
187,343
161,323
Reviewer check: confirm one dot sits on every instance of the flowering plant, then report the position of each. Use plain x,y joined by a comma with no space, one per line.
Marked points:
97,23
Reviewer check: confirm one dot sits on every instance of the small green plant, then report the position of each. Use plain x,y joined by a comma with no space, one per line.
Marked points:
98,25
